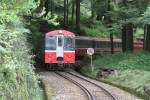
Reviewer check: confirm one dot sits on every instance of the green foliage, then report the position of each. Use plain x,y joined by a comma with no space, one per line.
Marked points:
52,19
85,8
146,17
17,79
139,32
119,13
94,29
126,61
133,69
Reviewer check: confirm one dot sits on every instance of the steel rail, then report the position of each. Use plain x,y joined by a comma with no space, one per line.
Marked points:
87,92
106,91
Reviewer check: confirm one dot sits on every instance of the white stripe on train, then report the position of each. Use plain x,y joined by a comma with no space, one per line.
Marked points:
55,51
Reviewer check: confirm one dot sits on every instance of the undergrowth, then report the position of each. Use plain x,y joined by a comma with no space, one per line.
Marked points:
133,70
17,79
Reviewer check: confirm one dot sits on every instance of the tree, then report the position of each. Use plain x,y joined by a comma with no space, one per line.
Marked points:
65,13
78,15
124,38
109,24
146,20
93,10
129,37
46,4
126,14
72,13
147,38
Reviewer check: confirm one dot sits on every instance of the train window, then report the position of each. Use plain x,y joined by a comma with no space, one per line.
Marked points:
69,43
60,41
50,43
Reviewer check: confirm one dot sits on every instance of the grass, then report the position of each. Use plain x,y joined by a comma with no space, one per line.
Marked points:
133,70
47,90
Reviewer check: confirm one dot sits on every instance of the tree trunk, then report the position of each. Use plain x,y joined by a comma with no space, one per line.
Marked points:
46,7
112,43
108,17
145,31
93,10
129,37
67,12
125,2
64,12
51,7
78,15
147,39
72,15
124,38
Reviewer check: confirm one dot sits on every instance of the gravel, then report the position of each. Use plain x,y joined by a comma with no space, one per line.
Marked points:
118,93
62,89
97,92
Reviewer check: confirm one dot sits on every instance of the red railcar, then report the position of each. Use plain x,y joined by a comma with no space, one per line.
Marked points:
59,47
101,45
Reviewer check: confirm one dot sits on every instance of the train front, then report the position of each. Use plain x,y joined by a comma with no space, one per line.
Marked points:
59,47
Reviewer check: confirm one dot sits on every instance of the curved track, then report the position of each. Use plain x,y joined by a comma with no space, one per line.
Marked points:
86,91
93,91
104,90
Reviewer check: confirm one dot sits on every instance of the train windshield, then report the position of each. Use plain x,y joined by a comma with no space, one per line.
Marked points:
50,43
69,43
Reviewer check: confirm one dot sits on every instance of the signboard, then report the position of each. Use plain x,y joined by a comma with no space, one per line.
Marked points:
90,51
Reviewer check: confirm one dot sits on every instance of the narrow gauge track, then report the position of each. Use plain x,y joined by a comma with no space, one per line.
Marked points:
107,93
84,89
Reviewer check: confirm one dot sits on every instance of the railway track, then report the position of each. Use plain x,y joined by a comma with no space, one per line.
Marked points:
86,91
104,90
92,90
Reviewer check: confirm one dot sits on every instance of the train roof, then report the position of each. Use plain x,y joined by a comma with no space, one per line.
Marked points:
96,38
60,32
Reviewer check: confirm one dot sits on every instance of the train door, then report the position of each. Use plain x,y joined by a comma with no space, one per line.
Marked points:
59,49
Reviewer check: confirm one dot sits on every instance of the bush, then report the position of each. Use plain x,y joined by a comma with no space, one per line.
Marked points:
17,79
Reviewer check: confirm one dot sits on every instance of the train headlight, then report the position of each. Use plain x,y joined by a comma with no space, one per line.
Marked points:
60,32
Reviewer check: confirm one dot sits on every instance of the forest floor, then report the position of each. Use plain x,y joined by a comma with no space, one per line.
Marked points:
131,71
